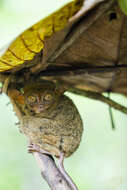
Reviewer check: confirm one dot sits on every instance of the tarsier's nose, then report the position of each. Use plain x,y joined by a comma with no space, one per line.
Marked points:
39,108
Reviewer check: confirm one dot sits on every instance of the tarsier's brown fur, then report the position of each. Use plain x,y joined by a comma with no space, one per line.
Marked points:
48,118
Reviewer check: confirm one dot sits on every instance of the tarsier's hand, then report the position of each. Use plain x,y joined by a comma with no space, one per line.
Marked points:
49,118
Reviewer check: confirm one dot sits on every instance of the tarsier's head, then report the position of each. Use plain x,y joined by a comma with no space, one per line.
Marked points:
41,96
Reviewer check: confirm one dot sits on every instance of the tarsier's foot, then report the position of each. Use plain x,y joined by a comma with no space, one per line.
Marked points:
34,148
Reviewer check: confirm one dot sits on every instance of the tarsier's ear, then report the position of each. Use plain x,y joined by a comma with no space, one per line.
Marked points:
16,95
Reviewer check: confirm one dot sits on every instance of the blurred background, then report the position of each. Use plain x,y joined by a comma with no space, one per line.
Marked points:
100,161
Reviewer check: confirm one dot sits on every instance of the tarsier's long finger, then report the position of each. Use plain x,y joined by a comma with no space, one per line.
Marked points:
64,173
34,148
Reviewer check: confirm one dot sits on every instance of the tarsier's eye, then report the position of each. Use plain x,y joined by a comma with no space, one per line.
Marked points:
31,99
48,97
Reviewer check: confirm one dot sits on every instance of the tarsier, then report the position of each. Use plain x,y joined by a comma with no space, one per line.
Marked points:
48,118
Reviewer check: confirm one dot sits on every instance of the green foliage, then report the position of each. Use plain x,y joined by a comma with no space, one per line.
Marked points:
123,5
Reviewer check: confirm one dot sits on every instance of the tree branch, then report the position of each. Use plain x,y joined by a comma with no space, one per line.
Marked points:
50,172
100,97
73,71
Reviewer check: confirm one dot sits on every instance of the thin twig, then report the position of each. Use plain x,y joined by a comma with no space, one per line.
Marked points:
100,97
111,114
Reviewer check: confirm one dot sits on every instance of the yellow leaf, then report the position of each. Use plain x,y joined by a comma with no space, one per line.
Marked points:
4,66
32,41
11,59
20,51
60,19
29,43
